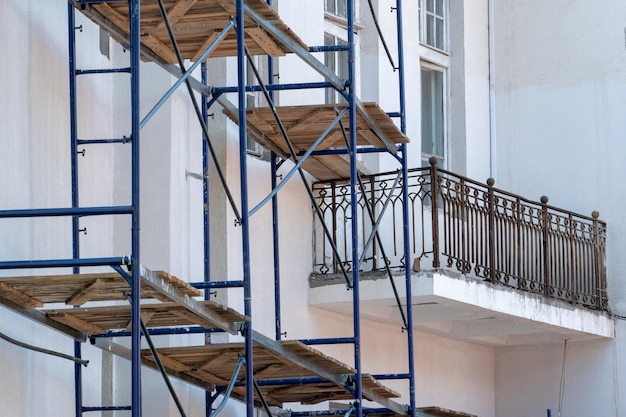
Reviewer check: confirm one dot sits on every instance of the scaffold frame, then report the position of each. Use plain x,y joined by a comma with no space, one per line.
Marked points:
131,277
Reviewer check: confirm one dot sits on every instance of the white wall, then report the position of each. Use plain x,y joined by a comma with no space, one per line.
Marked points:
35,128
561,97
582,385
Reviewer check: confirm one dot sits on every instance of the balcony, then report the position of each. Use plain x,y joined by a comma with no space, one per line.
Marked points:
502,268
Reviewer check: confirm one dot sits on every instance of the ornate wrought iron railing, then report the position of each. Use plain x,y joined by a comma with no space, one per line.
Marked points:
469,227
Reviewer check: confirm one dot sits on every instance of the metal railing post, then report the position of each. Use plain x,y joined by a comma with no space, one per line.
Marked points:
546,250
372,181
597,258
434,197
491,234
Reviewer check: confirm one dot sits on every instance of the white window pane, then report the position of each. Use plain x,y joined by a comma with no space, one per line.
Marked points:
439,7
430,7
439,34
430,23
330,6
341,8
432,113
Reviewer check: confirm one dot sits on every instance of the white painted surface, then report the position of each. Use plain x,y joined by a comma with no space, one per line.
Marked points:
572,105
561,100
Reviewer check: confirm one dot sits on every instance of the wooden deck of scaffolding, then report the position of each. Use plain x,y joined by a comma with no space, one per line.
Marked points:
92,303
196,24
169,303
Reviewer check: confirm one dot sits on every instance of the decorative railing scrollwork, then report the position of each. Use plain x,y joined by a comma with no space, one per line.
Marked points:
470,227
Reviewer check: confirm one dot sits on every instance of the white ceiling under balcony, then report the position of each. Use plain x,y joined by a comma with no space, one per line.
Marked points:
468,309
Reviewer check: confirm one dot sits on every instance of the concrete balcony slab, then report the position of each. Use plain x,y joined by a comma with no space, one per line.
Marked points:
469,309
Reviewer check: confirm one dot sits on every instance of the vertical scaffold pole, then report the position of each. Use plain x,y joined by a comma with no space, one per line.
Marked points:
208,401
245,217
358,388
275,230
71,32
135,15
405,213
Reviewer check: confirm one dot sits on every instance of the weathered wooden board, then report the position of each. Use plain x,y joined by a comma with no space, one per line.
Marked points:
216,364
305,124
96,320
78,289
194,23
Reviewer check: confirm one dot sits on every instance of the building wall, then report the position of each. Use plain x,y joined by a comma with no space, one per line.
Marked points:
35,132
560,101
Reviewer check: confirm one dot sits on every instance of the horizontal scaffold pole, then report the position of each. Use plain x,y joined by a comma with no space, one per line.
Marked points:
216,284
104,71
161,332
105,408
328,341
273,87
64,263
66,211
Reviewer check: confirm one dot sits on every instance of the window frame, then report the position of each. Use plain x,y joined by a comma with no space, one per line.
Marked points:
338,57
253,100
335,8
445,21
424,156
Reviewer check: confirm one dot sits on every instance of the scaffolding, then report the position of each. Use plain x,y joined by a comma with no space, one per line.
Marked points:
322,140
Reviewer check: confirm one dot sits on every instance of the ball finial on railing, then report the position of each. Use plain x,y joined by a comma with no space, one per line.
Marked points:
544,199
433,161
595,214
490,181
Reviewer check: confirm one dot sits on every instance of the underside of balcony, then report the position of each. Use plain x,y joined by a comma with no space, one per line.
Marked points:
452,305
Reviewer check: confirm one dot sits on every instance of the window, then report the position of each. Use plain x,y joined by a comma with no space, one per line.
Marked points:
253,99
433,115
433,23
337,62
336,7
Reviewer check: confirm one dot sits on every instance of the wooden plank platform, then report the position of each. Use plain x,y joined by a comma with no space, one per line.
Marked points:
195,23
78,289
97,320
173,304
215,364
305,124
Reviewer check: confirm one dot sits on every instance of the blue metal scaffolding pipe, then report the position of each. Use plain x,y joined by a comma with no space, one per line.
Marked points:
328,48
160,332
134,14
206,235
245,215
273,87
278,332
104,71
99,1
321,413
354,214
69,211
186,75
111,408
287,381
405,212
344,151
63,263
391,376
328,341
297,166
277,313
102,141
216,284
71,29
